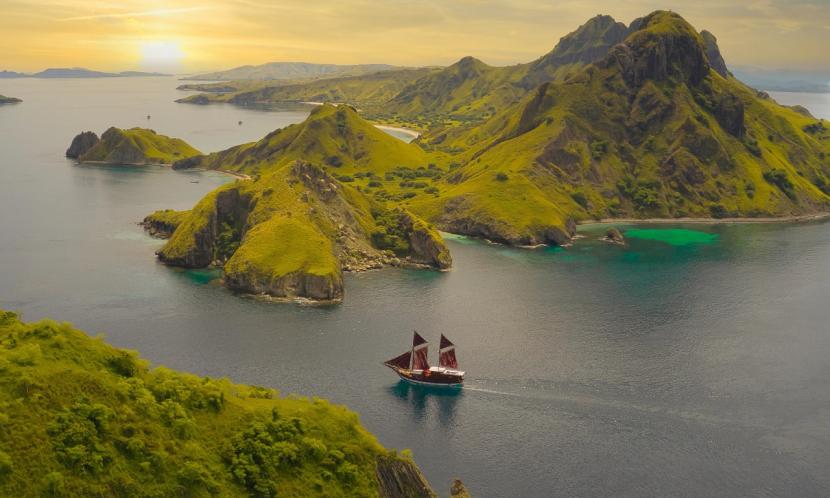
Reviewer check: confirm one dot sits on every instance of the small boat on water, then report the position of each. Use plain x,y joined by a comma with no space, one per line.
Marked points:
414,367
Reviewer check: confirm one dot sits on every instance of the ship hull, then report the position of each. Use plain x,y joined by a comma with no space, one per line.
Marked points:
434,379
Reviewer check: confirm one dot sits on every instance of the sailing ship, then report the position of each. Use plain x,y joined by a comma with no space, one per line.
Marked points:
414,367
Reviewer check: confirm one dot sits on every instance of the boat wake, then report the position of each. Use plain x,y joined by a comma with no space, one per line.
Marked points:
569,402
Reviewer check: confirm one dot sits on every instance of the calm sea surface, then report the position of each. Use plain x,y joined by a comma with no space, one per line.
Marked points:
694,362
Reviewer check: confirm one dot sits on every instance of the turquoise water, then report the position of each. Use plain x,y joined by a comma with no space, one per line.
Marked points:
673,236
692,361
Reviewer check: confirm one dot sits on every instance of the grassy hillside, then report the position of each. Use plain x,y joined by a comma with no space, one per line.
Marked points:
650,131
137,146
81,418
303,219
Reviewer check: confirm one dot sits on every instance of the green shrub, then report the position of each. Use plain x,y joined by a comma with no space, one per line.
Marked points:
779,178
5,465
501,177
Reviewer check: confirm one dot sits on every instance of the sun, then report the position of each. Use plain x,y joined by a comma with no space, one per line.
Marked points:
161,55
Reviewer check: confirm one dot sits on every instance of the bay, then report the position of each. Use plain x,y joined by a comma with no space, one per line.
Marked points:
696,358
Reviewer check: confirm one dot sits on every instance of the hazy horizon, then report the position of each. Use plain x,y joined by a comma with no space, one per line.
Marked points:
187,36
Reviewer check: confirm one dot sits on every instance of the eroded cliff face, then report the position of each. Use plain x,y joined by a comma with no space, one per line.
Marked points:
399,478
81,144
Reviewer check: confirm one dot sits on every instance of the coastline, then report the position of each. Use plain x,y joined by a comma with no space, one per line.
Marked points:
406,131
802,218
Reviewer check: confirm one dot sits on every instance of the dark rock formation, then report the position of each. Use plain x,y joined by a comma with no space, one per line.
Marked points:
326,288
651,53
188,163
81,144
588,44
458,490
614,236
713,54
730,114
400,478
426,245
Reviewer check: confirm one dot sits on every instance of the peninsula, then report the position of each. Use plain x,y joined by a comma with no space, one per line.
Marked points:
133,147
9,100
82,418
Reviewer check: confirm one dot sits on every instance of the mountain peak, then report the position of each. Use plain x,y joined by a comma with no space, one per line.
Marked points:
713,53
587,44
662,45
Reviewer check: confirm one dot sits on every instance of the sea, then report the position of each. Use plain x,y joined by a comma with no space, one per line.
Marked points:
694,361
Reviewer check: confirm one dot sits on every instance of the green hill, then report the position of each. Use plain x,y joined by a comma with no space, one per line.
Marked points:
136,146
651,130
81,418
299,223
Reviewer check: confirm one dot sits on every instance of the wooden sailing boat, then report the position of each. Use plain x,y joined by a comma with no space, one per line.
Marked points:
413,366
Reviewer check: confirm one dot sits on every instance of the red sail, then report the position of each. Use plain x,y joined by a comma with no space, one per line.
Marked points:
419,352
446,354
401,361
420,362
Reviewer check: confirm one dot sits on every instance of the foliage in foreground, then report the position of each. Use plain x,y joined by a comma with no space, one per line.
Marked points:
81,418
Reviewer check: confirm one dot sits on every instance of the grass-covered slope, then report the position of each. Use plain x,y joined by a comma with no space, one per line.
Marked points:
137,146
334,136
81,418
9,100
649,131
303,219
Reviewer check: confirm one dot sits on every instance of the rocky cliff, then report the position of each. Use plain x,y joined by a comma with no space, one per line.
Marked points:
81,144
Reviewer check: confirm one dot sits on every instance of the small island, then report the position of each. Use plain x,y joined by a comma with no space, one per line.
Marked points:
9,100
132,147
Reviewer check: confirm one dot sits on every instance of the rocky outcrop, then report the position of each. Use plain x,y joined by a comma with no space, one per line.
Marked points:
460,216
162,224
399,478
188,163
458,490
323,288
614,236
81,144
713,54
426,245
221,216
653,53
730,114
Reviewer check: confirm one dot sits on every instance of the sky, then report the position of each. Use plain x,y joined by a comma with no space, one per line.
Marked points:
200,35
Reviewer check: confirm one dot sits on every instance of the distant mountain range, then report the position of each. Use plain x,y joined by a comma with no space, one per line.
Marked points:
292,71
782,80
75,72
